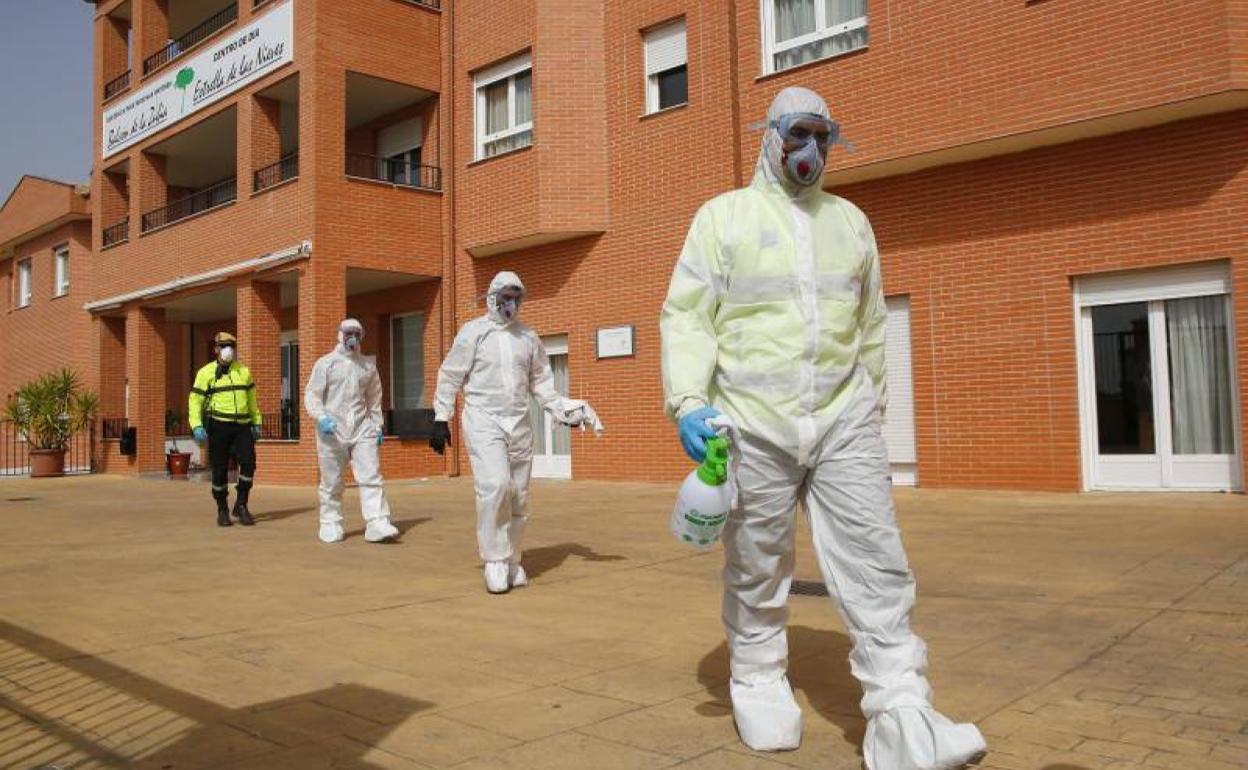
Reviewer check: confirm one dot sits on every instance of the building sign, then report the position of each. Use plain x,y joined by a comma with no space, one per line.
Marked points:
615,342
240,58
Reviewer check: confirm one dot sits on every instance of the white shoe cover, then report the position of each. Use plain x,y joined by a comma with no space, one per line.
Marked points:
767,716
331,532
516,575
496,577
917,738
379,530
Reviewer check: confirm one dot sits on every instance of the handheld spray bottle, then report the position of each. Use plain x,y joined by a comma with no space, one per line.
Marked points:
708,492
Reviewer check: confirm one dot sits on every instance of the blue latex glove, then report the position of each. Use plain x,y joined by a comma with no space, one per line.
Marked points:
326,424
694,432
255,432
200,435
381,436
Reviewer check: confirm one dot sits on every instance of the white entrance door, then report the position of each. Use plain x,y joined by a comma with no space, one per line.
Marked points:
1158,404
899,417
552,442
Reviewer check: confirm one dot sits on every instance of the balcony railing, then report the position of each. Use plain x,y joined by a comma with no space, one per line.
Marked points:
435,4
117,85
118,233
399,172
200,33
196,203
282,171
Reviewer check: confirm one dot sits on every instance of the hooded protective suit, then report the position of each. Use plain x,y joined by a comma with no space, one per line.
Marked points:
343,398
500,362
775,315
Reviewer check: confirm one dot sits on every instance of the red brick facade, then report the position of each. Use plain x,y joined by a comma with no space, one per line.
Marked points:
1001,152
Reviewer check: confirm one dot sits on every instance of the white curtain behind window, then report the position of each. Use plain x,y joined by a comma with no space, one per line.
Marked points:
408,350
496,116
794,18
524,98
1200,376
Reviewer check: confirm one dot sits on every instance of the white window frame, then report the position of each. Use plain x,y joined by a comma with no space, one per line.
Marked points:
394,391
652,78
822,32
508,71
1175,472
25,282
60,257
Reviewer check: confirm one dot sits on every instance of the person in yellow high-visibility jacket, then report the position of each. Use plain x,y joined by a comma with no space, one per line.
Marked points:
222,411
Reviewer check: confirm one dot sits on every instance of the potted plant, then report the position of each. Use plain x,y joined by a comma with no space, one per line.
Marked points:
47,413
179,462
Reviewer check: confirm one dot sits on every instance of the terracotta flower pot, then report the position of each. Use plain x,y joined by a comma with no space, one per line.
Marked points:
47,462
179,464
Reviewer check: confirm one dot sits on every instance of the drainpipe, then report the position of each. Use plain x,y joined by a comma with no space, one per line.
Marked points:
449,299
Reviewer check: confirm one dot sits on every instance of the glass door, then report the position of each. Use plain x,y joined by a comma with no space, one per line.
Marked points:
1163,401
552,441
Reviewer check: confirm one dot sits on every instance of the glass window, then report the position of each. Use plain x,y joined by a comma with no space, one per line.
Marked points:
504,115
799,31
667,71
1124,380
407,361
23,283
1201,410
62,271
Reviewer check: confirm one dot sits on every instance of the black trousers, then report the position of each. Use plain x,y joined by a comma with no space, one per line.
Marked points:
225,439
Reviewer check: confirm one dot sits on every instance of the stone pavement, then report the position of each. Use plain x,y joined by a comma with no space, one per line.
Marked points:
1082,632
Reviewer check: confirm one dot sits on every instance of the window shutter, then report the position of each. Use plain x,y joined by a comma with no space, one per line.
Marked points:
665,48
401,137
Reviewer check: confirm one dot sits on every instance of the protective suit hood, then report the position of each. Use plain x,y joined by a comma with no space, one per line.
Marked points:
349,325
504,280
769,171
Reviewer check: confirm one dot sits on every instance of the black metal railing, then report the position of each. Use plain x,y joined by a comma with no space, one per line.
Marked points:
15,451
118,233
399,172
201,32
117,85
282,171
113,427
219,194
281,426
435,4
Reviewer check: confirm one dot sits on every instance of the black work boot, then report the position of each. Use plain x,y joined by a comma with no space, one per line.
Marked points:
243,515
223,514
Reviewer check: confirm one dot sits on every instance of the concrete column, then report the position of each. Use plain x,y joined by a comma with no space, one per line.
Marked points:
259,341
145,371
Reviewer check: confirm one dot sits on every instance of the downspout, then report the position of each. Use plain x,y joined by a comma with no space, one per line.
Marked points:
449,297
734,73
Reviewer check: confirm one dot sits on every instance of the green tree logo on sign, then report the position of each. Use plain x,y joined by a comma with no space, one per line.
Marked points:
185,77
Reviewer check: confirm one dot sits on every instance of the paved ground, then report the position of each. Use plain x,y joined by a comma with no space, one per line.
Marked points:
1081,632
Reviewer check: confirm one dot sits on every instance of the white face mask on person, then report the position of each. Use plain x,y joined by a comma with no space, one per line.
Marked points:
226,354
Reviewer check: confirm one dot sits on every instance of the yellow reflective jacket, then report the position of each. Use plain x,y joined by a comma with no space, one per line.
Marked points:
230,398
775,314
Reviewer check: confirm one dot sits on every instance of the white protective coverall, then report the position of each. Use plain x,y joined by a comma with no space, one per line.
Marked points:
775,315
346,388
499,364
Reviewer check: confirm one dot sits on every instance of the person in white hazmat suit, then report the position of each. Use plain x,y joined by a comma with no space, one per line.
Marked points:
500,363
775,315
343,397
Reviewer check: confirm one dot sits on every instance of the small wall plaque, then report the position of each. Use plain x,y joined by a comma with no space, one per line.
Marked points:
615,341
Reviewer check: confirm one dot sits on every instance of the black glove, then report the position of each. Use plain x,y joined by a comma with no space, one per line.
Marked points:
440,439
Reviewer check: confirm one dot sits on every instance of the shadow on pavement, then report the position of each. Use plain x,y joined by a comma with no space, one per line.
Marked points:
283,513
538,561
67,708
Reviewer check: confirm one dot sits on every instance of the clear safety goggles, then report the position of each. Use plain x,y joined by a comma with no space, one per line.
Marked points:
798,128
